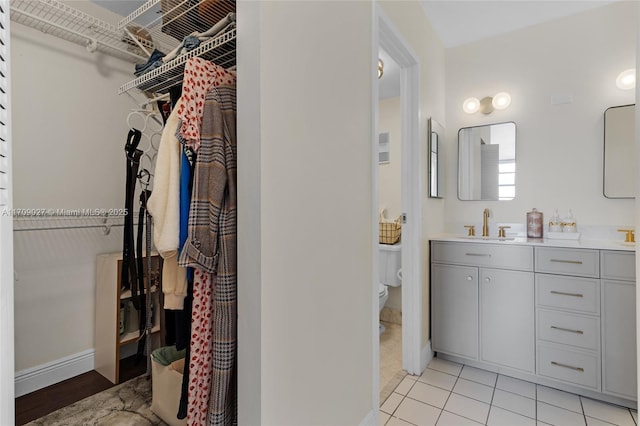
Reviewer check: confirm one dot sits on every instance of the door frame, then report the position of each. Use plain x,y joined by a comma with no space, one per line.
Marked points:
7,356
388,37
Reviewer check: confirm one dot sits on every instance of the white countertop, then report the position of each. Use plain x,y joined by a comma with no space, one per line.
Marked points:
543,242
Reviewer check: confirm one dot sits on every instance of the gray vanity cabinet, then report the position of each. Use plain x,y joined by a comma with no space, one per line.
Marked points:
454,301
618,324
507,318
568,315
482,299
561,314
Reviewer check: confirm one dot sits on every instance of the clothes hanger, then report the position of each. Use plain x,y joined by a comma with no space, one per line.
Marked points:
144,176
133,139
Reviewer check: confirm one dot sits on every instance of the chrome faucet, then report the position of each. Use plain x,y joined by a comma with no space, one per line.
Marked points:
485,223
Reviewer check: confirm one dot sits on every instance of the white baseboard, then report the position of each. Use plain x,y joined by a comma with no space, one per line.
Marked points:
426,355
372,419
32,379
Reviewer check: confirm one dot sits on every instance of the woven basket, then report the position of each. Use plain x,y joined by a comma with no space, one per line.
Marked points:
389,232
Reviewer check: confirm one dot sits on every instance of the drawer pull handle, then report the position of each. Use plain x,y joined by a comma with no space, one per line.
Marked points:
567,329
562,293
478,254
580,369
575,262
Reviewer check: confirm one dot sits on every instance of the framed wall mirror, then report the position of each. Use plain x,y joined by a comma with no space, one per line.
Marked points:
487,162
619,152
436,161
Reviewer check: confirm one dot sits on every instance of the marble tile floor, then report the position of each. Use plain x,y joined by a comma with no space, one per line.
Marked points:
452,394
391,372
127,404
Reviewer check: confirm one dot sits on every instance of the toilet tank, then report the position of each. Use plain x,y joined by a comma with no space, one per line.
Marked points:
390,264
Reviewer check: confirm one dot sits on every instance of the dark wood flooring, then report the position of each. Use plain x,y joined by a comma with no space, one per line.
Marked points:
47,400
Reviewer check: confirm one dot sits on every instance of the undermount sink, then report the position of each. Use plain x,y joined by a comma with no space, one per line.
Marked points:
476,237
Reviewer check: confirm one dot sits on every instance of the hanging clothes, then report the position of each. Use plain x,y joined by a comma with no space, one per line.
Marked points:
199,77
211,248
164,206
200,349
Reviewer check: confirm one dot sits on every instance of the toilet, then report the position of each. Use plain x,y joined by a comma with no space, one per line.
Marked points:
390,274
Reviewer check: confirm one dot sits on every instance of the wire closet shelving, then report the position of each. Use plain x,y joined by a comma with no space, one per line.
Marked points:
65,22
156,25
178,19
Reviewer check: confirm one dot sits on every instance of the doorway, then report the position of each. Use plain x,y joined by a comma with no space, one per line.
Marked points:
390,41
390,210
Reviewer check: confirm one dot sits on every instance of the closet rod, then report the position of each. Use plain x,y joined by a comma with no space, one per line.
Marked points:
55,228
105,228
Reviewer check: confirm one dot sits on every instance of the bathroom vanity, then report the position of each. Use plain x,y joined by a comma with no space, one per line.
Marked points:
559,313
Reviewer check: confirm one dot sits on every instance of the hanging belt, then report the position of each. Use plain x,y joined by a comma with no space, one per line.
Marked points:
128,275
142,301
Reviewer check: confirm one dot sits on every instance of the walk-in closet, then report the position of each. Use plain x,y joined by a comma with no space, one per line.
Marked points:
123,119
82,143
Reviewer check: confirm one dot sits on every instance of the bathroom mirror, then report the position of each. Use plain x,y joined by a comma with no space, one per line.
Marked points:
436,170
619,152
487,162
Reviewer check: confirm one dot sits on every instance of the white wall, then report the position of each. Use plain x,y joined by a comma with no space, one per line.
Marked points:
389,175
69,128
417,31
305,269
559,152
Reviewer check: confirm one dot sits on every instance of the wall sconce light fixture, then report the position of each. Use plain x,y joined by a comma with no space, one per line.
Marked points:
380,68
487,104
626,79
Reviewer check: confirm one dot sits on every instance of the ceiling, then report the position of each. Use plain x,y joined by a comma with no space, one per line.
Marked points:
459,22
456,22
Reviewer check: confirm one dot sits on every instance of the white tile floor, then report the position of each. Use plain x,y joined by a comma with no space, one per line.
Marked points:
451,394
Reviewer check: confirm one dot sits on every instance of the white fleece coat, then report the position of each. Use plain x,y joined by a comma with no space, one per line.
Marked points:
164,206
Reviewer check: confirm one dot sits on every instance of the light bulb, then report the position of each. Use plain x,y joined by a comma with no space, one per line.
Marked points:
471,105
501,100
626,79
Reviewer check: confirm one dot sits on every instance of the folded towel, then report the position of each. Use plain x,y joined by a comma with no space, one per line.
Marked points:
168,354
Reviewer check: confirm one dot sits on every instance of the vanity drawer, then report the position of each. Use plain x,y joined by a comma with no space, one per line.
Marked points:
580,262
569,329
568,365
568,293
483,255
618,265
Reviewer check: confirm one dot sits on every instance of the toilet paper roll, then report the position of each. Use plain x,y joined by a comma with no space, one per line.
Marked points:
382,215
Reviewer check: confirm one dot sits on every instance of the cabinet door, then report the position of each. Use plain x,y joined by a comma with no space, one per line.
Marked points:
619,338
454,310
507,334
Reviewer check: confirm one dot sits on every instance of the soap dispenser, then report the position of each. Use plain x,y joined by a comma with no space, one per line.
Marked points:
534,224
569,223
555,225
